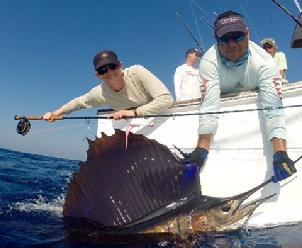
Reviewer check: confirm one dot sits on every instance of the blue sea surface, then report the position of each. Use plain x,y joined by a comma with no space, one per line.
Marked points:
32,192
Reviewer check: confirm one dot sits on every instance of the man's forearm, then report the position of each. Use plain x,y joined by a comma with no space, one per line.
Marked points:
279,144
59,111
282,72
204,141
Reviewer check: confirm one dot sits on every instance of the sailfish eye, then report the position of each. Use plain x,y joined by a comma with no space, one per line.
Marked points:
226,208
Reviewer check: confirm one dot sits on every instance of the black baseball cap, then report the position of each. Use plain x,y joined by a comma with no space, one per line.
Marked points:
194,50
105,57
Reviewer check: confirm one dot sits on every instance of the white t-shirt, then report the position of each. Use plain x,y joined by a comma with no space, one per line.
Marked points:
186,82
281,60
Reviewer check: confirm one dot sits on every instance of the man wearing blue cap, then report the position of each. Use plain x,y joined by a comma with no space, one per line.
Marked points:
235,62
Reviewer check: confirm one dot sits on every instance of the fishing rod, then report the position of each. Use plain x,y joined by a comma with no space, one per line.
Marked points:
24,125
288,12
179,17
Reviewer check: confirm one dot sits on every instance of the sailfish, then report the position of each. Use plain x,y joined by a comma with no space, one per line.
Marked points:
146,190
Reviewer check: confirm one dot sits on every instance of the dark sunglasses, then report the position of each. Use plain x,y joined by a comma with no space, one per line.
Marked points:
267,46
235,37
103,69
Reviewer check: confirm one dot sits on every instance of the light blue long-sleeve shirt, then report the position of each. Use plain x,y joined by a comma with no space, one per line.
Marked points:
259,71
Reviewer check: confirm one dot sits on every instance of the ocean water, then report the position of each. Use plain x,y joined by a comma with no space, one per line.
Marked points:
32,192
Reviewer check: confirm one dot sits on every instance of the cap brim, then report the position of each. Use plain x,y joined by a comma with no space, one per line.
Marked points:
106,62
236,27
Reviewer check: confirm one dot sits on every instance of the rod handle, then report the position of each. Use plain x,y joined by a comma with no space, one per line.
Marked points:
34,118
17,117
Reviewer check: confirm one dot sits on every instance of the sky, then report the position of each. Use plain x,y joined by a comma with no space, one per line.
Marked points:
46,51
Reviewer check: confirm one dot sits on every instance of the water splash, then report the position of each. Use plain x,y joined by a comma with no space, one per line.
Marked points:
42,204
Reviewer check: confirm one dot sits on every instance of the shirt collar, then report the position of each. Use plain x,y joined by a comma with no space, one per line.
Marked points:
230,64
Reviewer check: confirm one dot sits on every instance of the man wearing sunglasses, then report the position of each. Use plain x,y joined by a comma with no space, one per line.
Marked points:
232,63
269,45
186,76
131,91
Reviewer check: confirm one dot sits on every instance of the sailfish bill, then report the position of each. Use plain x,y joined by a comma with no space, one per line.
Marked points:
145,191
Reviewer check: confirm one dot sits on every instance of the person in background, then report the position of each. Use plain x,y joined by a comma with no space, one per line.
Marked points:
235,61
186,77
131,91
269,45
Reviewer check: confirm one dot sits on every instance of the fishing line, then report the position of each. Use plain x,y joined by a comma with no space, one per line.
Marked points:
196,24
298,5
249,20
205,13
187,29
203,17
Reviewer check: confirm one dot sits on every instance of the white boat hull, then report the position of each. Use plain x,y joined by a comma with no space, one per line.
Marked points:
240,157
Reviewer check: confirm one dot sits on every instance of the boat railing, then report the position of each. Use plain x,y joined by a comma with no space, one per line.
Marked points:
240,97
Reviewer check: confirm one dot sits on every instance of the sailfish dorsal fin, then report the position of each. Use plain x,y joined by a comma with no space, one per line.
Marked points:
116,187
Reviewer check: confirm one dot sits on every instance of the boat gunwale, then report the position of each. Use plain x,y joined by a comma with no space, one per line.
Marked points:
240,97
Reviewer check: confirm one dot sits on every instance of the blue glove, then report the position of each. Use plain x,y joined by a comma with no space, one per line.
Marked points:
283,166
192,164
199,156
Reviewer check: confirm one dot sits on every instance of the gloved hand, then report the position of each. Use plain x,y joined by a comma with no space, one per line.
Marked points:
193,163
199,155
283,166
